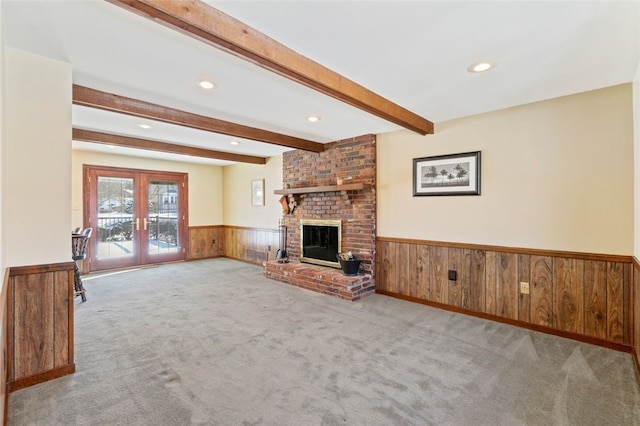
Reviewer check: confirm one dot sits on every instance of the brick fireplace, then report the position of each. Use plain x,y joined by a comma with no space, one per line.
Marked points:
311,182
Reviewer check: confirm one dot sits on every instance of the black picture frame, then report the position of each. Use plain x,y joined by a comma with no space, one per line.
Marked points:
452,174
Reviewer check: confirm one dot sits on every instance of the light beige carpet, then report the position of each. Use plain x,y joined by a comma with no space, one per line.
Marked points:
214,343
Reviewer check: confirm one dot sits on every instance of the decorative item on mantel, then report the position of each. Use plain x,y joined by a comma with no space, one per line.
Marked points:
349,263
292,203
284,201
288,203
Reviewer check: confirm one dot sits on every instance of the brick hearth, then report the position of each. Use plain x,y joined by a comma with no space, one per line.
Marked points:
320,279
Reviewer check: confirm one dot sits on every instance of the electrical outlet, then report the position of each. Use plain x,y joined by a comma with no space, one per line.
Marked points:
268,248
213,242
524,288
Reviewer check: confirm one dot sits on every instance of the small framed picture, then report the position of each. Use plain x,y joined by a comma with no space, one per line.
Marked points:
257,192
453,174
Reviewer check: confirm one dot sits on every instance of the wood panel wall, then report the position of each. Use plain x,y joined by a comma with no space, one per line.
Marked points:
253,245
577,295
635,317
4,394
206,242
40,324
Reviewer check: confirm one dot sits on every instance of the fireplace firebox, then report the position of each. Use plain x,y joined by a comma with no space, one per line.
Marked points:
320,241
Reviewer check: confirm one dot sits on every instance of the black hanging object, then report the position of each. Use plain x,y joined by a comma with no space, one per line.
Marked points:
281,254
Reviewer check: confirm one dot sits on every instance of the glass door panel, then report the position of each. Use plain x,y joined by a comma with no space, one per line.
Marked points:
115,217
115,239
161,220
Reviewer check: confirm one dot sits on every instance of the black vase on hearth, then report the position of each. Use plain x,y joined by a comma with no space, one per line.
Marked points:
349,267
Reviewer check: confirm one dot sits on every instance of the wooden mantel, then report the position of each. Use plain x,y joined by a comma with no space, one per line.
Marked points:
327,188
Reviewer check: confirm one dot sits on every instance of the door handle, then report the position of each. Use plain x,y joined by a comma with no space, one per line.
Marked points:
145,223
137,223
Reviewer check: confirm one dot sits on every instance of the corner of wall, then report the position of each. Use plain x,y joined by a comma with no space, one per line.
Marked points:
636,161
3,192
4,273
237,206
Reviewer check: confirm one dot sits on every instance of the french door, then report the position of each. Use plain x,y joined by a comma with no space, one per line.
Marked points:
138,217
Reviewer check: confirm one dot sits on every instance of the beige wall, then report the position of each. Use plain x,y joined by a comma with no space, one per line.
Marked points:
205,184
636,164
37,159
556,175
238,210
3,180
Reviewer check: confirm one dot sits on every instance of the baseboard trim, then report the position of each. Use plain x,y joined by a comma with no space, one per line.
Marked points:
534,327
260,263
25,382
195,259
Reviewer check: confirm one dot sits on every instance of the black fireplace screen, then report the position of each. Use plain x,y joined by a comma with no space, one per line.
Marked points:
320,243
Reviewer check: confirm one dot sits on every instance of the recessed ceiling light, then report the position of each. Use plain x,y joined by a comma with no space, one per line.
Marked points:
144,126
313,118
205,84
234,143
112,146
480,67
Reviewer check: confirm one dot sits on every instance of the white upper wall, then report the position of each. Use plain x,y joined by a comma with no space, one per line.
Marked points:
636,164
205,184
3,180
238,209
556,175
37,159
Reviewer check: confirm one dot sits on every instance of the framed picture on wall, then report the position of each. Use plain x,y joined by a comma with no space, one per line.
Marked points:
257,192
453,174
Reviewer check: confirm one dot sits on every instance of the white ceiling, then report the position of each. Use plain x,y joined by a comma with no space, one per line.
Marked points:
414,53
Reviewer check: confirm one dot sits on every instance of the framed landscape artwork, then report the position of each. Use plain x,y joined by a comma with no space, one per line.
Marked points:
453,174
257,192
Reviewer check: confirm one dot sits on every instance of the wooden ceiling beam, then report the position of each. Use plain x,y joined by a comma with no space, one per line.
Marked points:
149,145
88,97
129,142
203,22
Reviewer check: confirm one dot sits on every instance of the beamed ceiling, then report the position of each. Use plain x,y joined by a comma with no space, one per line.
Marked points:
363,67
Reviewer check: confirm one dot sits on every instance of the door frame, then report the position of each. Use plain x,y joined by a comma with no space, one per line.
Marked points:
88,198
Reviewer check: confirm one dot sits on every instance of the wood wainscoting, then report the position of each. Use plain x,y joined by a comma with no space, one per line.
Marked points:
4,330
206,242
253,245
581,296
635,315
39,324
